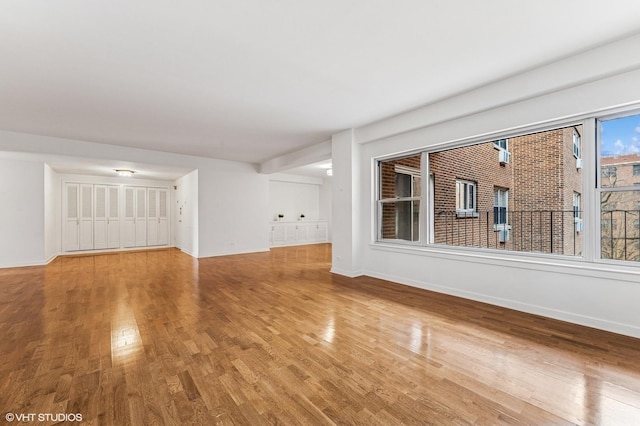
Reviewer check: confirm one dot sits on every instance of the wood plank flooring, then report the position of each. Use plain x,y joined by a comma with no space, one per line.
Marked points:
274,338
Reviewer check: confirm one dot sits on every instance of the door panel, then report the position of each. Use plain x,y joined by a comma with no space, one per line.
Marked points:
113,217
86,217
72,218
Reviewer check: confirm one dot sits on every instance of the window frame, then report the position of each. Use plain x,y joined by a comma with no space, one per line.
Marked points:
577,212
502,195
413,198
602,222
577,139
466,211
497,143
590,197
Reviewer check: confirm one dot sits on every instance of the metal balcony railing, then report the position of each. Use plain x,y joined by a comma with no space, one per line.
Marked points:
620,234
541,231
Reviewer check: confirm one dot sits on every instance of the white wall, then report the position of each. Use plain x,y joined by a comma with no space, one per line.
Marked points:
326,203
347,209
293,198
232,210
22,221
185,213
52,214
232,196
597,295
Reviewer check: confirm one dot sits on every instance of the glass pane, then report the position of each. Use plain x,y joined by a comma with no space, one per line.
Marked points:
399,177
403,185
619,152
401,220
525,203
619,225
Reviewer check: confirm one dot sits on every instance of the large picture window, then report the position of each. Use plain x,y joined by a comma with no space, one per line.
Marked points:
523,201
526,193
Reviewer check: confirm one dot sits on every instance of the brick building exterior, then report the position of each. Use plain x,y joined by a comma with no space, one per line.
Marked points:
477,195
620,211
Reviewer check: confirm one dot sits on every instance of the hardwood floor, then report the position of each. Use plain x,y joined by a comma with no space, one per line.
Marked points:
160,338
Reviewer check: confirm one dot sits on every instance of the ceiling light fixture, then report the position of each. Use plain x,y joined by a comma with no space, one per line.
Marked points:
124,172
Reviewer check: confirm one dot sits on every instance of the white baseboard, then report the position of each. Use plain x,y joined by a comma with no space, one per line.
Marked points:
232,252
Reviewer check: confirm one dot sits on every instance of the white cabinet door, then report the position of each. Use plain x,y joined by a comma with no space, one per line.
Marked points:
320,232
152,216
91,217
141,217
100,226
146,216
129,222
163,217
113,217
290,233
277,234
302,233
72,217
86,217
157,217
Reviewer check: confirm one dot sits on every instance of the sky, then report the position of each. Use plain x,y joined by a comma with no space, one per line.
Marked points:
620,136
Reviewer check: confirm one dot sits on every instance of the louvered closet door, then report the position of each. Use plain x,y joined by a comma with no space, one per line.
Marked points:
141,217
72,218
100,226
129,222
113,217
86,217
163,217
152,222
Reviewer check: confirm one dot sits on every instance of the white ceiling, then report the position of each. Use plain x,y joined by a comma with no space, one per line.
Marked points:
249,80
99,167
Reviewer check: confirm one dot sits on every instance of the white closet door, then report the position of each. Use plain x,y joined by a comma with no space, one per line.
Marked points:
129,222
152,222
163,217
86,217
72,218
113,217
141,217
100,226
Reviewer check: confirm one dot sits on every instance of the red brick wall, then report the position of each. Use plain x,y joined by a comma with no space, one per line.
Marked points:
479,164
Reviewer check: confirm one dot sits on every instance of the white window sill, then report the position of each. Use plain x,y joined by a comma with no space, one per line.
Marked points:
575,265
461,214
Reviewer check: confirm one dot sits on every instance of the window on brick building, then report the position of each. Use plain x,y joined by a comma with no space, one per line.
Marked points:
577,214
501,144
465,198
500,207
609,172
576,144
619,197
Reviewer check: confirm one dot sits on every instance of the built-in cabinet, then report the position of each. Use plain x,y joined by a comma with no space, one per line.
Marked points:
301,232
99,217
